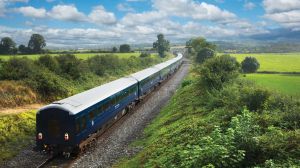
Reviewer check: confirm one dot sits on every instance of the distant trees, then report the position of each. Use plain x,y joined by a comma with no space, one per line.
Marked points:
124,48
36,43
114,49
200,49
7,46
161,45
250,65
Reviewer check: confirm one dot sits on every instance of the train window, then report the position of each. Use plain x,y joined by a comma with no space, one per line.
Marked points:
77,121
92,114
53,128
83,122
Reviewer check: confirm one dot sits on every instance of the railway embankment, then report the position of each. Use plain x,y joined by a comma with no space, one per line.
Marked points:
237,124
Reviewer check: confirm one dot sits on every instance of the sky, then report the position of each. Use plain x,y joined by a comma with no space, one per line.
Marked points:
81,23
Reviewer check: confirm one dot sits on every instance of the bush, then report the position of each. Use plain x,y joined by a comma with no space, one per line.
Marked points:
18,69
254,98
71,66
49,62
105,64
204,54
143,55
250,65
217,71
49,86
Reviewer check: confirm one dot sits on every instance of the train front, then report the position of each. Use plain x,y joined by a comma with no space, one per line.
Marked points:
55,130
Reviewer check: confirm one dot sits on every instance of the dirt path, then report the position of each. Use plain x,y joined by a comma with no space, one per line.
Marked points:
5,111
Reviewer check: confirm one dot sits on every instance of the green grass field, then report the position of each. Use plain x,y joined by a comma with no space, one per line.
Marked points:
81,55
287,84
277,62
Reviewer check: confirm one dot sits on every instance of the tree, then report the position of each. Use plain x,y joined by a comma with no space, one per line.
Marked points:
250,65
215,72
114,49
200,43
161,45
36,43
7,46
23,49
124,48
204,54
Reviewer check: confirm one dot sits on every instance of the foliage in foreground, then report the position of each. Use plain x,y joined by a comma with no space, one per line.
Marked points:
236,124
17,131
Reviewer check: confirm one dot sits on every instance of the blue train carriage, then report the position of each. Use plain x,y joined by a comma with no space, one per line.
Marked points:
148,79
164,69
63,125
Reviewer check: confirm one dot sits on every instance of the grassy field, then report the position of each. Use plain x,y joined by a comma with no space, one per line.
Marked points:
287,84
22,125
81,55
277,62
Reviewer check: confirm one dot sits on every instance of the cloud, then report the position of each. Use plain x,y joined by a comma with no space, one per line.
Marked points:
195,10
66,13
124,7
281,5
249,5
143,18
5,3
30,11
100,16
284,12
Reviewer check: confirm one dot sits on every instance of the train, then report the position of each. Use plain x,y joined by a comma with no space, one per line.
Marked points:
65,126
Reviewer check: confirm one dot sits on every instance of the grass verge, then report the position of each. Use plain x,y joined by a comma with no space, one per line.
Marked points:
17,131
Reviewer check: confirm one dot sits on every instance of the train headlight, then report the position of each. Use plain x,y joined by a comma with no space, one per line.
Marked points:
40,136
66,137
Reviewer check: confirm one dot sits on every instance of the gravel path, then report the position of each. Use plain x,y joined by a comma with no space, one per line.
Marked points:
114,144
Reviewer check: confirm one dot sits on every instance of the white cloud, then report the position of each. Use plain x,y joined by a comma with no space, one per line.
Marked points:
67,13
142,18
193,9
284,12
30,11
100,16
249,5
124,7
5,3
272,6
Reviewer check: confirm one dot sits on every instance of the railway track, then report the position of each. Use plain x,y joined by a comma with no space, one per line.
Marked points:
59,161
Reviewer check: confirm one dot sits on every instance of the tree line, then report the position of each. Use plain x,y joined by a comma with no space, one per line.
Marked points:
35,45
202,50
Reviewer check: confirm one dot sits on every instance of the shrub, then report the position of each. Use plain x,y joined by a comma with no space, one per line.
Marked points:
219,70
71,66
254,98
204,54
143,54
49,62
17,69
250,65
105,64
49,86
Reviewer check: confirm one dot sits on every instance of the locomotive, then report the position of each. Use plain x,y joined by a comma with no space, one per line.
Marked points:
65,126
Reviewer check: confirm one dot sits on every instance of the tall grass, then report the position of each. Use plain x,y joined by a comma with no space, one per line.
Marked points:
13,93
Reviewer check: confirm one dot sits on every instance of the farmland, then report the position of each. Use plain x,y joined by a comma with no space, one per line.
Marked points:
78,55
275,62
284,83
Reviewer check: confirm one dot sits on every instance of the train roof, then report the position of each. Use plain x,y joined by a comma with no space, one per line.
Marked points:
141,75
81,101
